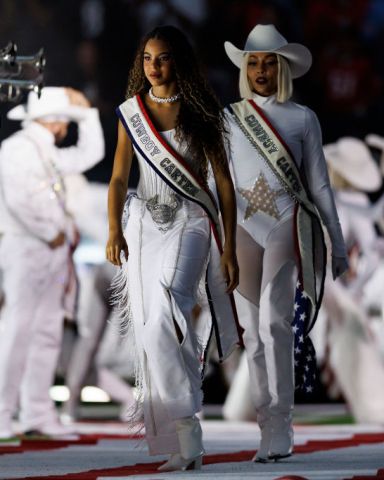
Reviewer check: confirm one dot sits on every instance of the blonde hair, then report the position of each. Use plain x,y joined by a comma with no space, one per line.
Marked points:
284,79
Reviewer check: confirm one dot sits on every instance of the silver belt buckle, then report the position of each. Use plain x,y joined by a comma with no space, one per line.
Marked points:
163,214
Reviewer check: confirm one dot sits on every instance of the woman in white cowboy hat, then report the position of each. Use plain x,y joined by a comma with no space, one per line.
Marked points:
39,236
281,184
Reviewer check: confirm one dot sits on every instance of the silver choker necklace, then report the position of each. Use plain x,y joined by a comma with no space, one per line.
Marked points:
172,99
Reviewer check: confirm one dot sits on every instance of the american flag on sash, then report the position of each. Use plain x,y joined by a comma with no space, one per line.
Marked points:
304,351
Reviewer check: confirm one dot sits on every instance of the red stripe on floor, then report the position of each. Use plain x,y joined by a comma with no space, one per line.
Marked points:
243,456
379,476
358,439
46,444
308,447
144,468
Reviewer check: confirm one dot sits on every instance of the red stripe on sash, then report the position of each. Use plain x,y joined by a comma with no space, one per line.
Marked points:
183,163
171,150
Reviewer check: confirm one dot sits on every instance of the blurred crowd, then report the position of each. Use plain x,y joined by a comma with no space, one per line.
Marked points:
90,44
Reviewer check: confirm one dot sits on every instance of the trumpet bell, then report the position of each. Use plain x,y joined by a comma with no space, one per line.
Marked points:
36,61
19,73
11,90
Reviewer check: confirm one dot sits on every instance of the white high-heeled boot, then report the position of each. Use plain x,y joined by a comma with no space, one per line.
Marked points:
191,446
282,437
265,426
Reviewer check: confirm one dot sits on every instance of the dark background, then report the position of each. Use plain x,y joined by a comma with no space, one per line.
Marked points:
90,44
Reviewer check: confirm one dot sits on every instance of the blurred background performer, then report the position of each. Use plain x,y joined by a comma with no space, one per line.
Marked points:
275,144
94,357
84,362
173,124
352,346
36,249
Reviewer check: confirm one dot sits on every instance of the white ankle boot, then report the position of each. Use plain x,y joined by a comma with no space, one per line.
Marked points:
177,462
282,437
262,454
191,446
276,438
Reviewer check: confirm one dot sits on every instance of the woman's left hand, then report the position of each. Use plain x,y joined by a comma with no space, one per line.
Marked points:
339,266
230,269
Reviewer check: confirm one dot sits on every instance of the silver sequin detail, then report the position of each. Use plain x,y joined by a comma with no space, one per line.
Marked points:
163,214
254,144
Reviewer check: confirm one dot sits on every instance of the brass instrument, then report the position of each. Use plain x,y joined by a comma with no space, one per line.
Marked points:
19,73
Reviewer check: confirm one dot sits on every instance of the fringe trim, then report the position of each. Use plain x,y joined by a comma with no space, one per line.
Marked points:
120,301
123,321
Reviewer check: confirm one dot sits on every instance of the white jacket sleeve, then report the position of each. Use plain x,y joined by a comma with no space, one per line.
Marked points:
26,191
362,231
316,173
89,149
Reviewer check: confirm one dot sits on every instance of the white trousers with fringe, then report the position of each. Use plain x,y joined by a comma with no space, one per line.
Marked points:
163,274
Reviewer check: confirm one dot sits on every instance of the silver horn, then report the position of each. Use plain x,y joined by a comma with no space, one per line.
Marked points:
8,53
11,64
11,89
20,73
36,61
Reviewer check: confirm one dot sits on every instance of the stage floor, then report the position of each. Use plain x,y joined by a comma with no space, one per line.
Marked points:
106,450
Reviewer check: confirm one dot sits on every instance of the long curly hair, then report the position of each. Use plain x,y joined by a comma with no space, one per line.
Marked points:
200,122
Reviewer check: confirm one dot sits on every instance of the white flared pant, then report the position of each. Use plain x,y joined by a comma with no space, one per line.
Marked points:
164,270
35,277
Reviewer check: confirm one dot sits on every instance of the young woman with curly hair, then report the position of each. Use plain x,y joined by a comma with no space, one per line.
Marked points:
172,123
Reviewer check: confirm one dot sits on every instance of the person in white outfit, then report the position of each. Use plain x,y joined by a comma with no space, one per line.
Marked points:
353,352
39,236
282,186
173,124
353,173
87,201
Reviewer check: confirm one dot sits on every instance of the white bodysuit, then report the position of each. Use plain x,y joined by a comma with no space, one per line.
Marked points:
300,129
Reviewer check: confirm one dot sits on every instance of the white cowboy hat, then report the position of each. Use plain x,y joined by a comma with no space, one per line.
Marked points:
265,38
351,158
53,105
376,141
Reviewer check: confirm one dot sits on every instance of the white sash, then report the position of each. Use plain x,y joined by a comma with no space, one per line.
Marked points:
310,239
173,169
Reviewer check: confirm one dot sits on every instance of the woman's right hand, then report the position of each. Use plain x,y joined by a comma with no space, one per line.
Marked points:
58,241
115,245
